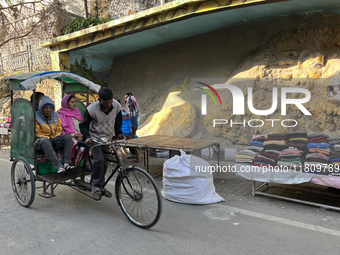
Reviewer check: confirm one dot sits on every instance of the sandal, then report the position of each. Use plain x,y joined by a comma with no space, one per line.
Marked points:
96,193
106,193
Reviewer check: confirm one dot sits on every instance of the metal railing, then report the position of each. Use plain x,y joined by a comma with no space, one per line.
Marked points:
25,60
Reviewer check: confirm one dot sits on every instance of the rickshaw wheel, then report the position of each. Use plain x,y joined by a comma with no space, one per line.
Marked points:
138,197
23,182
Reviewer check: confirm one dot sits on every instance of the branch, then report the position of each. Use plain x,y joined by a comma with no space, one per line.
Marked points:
14,38
19,4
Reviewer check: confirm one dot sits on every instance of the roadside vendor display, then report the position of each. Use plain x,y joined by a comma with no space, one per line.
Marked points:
292,158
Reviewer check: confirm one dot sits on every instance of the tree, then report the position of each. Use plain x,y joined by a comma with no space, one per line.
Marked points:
86,9
20,18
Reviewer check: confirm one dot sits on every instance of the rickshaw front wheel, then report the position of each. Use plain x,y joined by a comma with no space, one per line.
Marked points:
23,182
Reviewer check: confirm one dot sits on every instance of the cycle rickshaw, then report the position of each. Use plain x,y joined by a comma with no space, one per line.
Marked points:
135,190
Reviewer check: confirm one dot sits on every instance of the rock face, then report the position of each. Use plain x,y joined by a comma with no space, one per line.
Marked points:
171,121
308,58
305,57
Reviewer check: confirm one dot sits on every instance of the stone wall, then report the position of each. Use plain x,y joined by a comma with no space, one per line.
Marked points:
121,8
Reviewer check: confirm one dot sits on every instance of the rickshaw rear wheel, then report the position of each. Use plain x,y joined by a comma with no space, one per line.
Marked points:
23,182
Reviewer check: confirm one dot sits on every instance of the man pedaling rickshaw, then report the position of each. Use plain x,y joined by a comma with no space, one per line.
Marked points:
49,135
102,119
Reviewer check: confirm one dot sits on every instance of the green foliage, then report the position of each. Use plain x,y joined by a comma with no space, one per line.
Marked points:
79,24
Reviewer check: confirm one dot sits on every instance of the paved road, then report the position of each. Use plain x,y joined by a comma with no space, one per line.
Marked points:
71,223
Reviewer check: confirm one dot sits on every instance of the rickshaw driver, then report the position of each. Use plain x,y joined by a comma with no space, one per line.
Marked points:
49,138
102,118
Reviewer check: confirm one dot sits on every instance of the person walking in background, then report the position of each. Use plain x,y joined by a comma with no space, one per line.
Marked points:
131,108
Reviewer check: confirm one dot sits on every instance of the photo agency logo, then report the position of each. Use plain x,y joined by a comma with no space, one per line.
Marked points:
239,105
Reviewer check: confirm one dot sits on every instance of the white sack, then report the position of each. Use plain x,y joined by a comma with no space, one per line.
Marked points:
183,184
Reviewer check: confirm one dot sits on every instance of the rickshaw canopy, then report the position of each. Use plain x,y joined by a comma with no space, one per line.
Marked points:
28,81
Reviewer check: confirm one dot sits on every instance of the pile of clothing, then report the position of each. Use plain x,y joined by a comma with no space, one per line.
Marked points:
317,158
334,160
256,146
334,142
246,157
273,145
291,158
297,140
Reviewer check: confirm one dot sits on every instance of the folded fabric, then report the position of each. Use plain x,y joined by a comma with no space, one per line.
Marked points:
264,161
296,135
317,140
333,138
287,156
290,151
274,147
259,136
316,150
334,160
277,142
244,161
255,148
290,159
317,135
298,145
276,135
255,143
273,151
274,156
318,145
333,142
259,139
299,140
317,156
247,152
261,157
239,156
335,155
319,160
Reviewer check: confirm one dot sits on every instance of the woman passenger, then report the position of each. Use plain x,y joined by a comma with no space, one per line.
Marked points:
71,116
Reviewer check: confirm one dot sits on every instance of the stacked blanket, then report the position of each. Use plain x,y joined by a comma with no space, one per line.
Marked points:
316,163
297,140
334,142
245,157
255,146
273,145
334,160
292,158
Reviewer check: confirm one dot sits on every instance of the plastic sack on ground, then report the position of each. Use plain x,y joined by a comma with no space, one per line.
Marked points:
183,184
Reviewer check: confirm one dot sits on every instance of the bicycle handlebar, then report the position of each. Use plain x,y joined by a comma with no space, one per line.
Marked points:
98,143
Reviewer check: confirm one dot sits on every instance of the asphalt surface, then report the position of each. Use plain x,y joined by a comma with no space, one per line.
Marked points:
71,223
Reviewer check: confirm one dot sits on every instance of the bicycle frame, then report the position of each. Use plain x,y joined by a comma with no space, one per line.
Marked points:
119,167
